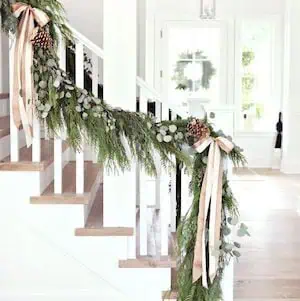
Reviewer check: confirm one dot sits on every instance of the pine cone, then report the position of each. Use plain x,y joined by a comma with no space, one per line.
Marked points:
42,39
196,128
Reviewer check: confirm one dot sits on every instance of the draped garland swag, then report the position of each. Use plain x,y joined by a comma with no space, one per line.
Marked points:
42,89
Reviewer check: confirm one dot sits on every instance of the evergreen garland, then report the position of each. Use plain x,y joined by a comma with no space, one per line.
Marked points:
88,119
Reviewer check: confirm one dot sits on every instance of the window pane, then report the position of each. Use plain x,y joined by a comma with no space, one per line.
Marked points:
258,105
194,63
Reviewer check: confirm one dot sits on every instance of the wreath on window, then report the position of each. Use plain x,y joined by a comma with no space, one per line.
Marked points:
182,81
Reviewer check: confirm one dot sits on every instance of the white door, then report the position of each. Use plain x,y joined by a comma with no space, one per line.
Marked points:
194,62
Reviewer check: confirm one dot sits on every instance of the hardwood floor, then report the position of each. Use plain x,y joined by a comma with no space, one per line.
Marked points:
269,269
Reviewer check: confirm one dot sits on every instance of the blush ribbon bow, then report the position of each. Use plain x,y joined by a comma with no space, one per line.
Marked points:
23,98
210,208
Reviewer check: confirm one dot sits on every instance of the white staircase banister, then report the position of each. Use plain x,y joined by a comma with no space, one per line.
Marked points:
157,96
144,85
139,81
88,43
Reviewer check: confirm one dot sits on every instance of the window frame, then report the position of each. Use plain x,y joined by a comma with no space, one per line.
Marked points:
224,53
276,66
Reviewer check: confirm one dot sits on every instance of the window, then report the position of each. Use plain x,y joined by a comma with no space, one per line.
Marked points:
259,84
194,63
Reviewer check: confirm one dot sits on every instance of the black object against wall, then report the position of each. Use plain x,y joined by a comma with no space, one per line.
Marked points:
279,128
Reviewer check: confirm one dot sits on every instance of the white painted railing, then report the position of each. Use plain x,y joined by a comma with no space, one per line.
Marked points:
164,195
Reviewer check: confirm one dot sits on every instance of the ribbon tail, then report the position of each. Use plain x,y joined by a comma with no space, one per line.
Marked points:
215,213
198,263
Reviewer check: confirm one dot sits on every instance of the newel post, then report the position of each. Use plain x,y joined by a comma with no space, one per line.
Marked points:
120,65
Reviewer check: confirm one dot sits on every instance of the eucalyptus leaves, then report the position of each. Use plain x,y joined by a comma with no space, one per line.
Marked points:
85,118
169,133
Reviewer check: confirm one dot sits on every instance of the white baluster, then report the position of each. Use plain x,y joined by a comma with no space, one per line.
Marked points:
80,154
58,153
164,212
95,83
14,132
36,140
143,102
158,115
143,192
165,198
173,191
158,110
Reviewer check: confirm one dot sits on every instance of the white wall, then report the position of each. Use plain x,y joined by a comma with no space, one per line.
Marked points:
87,18
258,147
291,114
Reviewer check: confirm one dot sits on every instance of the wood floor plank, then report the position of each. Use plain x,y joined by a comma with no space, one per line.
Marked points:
267,288
268,269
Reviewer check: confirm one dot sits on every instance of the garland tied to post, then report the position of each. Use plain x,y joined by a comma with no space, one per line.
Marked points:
210,207
23,98
62,106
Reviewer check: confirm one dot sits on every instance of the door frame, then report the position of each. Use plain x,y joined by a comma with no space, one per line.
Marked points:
227,55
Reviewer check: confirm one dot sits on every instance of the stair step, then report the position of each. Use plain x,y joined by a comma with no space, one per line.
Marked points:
93,178
148,262
94,221
25,163
4,126
105,231
4,96
170,295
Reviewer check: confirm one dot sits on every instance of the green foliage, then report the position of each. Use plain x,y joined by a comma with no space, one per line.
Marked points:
8,21
120,136
182,81
187,231
248,57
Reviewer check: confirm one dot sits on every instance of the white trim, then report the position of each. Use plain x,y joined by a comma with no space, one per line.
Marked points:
88,43
162,53
276,65
254,134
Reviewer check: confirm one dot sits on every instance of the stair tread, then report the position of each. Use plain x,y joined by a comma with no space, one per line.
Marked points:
170,295
105,231
93,177
148,262
25,161
4,126
94,221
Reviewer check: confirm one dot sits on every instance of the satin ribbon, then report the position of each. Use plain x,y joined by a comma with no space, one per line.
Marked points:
23,98
210,208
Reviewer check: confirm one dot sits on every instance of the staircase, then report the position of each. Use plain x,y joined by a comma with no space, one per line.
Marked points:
59,241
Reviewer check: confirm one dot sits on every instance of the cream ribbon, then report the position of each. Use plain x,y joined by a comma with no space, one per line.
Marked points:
23,97
210,202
